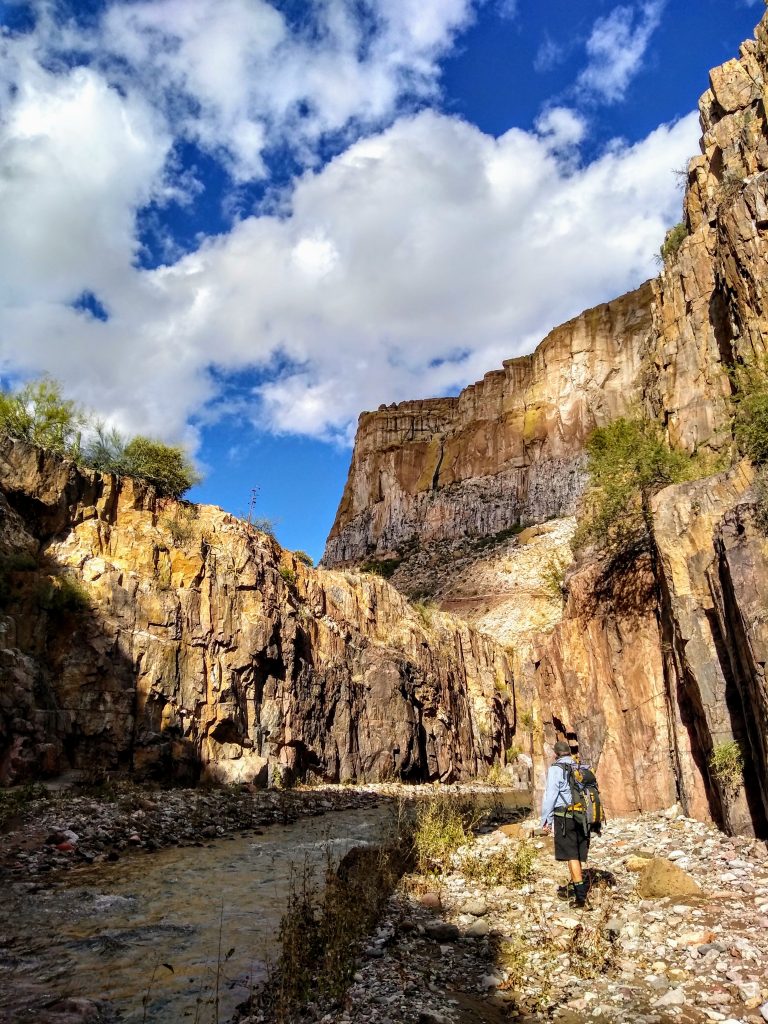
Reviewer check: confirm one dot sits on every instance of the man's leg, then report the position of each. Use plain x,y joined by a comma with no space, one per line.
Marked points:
574,867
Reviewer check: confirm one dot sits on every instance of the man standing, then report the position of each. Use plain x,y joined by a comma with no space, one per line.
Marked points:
571,837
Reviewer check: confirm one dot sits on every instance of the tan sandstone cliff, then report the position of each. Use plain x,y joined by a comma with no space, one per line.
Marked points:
176,640
651,669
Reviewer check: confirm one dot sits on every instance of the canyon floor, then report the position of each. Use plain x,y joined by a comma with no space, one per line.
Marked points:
676,929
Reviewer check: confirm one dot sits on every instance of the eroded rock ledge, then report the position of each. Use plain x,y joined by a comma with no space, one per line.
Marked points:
192,643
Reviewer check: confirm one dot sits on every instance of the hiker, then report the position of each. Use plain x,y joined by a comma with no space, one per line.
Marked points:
560,817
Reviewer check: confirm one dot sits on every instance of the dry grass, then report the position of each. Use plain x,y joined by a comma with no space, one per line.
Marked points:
592,949
512,866
443,825
321,932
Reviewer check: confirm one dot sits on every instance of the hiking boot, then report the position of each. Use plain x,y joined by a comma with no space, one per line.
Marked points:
565,892
579,898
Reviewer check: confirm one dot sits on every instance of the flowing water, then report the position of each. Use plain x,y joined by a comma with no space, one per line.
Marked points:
167,937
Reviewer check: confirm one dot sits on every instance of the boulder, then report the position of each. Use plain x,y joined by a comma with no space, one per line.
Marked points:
661,878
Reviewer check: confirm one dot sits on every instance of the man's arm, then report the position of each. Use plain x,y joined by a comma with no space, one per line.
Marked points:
550,797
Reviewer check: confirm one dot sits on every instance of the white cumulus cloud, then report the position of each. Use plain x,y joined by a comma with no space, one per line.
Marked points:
415,261
616,48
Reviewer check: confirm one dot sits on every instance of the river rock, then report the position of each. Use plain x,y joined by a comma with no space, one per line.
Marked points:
675,997
750,993
475,907
431,900
478,928
441,931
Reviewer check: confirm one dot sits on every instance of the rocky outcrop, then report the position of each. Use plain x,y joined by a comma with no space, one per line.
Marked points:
176,639
655,665
507,450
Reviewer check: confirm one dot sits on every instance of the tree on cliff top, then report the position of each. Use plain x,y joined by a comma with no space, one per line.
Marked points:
39,414
165,466
628,461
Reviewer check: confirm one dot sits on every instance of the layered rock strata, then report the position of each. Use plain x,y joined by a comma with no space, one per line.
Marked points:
508,449
659,667
177,640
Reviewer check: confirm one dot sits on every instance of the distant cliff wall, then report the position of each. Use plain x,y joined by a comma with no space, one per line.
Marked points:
508,449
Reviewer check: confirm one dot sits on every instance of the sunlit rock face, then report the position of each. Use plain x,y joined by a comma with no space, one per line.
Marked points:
654,669
508,449
194,645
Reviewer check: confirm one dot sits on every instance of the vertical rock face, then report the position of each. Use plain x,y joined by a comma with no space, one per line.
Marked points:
176,640
508,449
656,668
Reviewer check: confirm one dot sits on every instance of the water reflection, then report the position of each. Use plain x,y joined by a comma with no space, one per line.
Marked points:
187,932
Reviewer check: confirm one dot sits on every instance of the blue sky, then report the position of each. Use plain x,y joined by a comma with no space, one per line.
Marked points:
237,224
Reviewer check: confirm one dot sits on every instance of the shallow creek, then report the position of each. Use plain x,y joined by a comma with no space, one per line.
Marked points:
210,913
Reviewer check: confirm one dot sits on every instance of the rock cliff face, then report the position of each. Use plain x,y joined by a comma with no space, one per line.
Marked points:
654,669
177,640
508,449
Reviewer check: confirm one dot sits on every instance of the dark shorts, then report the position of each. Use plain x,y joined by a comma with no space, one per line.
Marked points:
570,841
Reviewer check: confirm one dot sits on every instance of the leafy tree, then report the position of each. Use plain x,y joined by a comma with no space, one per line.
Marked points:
166,466
39,413
629,460
106,451
304,558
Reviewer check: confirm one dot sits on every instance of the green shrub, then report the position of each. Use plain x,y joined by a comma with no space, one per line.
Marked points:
386,567
105,451
288,575
628,461
751,421
180,526
64,595
497,776
726,763
672,241
425,610
165,466
526,720
264,525
760,490
553,571
38,413
304,558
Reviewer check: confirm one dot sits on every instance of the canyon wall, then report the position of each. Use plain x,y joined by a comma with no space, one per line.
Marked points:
654,665
508,449
176,641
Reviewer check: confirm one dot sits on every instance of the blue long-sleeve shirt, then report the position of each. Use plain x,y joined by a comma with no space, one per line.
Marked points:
557,792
